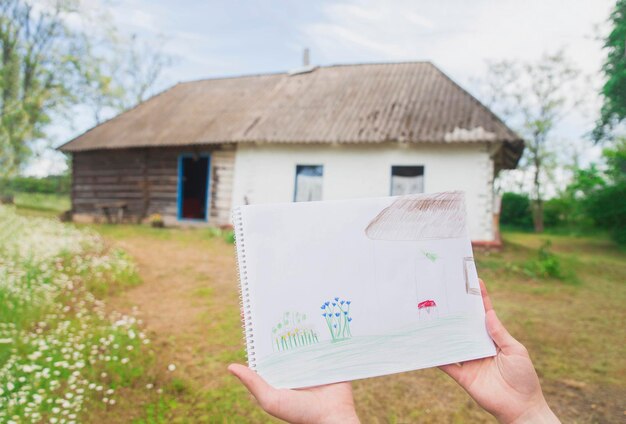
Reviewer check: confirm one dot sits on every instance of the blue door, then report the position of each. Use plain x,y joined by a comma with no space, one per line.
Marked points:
193,187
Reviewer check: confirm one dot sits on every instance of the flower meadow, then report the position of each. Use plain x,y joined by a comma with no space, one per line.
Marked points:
60,351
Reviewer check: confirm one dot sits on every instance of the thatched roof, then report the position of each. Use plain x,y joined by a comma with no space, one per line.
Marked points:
372,103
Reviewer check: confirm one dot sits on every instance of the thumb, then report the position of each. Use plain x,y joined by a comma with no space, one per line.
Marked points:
253,382
505,342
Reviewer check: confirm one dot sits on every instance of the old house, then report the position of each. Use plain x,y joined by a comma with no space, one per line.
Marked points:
196,150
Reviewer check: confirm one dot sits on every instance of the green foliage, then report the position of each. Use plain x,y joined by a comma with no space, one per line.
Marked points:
42,202
229,237
56,56
614,108
605,203
607,208
546,265
515,211
52,184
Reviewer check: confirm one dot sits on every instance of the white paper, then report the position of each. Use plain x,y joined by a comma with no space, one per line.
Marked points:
412,291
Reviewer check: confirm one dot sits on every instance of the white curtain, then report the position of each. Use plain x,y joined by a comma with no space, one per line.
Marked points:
406,185
308,188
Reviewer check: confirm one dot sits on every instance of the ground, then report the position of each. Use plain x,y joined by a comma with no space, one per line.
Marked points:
189,304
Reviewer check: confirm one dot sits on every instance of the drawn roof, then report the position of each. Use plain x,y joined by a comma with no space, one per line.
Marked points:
369,103
421,216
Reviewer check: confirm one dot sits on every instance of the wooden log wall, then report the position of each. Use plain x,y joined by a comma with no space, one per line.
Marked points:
147,180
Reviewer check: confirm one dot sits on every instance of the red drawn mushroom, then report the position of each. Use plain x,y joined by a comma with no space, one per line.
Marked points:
427,306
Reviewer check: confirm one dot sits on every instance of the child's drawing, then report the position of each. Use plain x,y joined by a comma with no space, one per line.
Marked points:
427,307
336,313
431,256
471,277
408,264
292,331
419,217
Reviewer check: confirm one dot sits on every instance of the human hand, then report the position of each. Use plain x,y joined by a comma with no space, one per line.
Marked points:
332,403
505,385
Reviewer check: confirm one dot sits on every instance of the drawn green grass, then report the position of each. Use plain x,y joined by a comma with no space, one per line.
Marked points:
292,331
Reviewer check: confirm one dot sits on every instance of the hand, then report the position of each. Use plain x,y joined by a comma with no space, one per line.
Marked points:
332,403
506,385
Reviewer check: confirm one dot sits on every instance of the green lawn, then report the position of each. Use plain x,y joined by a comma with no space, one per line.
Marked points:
572,325
42,204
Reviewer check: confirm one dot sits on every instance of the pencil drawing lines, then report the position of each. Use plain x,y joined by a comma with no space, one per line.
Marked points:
420,216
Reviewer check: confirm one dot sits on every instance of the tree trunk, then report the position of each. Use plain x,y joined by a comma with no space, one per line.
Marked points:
538,215
537,203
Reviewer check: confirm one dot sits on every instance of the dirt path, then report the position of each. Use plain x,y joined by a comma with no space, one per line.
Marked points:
184,285
188,303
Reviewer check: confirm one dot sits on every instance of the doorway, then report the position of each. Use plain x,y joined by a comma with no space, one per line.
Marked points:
193,187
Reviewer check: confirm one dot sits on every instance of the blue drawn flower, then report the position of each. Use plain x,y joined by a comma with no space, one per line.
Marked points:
336,299
345,313
335,325
326,303
342,302
334,304
337,314
349,319
324,314
349,302
323,307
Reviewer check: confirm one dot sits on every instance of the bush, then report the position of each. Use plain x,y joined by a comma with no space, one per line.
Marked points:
607,208
548,265
515,211
52,184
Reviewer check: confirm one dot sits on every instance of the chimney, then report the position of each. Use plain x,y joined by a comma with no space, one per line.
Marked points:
306,64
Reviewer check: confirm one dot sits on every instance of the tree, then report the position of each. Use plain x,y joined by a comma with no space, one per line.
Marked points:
37,75
605,202
125,78
614,90
55,56
533,98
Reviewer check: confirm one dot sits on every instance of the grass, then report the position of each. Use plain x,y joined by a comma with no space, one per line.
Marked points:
42,202
571,321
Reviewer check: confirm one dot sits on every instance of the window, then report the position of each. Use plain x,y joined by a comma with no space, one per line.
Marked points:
407,180
308,183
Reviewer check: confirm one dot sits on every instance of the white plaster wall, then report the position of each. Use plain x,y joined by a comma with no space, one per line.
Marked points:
265,173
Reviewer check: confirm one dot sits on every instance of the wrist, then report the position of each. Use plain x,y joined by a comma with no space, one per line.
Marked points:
539,413
346,418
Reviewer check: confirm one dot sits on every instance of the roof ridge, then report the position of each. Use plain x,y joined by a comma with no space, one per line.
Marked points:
316,67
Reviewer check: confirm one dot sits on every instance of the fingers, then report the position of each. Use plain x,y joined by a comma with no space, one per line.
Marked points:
453,370
486,299
253,382
505,342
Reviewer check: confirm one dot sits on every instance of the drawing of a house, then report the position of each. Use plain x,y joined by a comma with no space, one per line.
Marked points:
427,221
200,148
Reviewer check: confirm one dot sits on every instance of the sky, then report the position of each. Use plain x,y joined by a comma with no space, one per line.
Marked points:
224,38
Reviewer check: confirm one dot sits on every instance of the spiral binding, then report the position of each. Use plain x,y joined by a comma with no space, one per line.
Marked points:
244,289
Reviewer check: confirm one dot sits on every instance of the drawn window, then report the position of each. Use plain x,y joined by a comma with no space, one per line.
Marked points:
309,179
407,180
471,276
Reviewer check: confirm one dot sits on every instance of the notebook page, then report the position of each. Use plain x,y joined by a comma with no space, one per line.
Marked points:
351,289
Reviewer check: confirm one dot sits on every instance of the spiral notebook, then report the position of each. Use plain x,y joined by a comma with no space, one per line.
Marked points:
343,290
